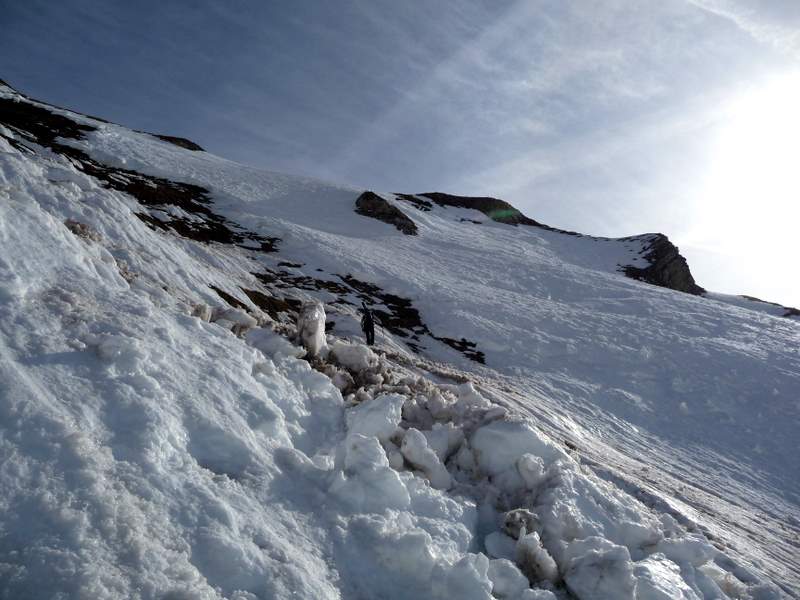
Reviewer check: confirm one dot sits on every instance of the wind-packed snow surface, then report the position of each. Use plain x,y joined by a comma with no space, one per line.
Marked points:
175,423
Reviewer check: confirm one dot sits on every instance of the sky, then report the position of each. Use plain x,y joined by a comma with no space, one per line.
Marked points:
610,118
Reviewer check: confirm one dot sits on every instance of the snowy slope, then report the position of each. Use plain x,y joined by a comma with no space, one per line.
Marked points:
149,453
749,302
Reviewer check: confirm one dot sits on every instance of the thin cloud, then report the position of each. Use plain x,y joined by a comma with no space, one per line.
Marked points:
771,22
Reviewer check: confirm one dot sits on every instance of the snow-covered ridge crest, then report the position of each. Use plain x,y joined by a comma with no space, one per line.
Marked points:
164,435
659,261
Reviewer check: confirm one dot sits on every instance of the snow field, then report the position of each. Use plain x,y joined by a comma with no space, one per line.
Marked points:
147,453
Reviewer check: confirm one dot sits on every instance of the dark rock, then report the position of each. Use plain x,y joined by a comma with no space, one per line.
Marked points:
400,316
274,307
464,346
179,141
667,267
494,208
28,98
790,311
370,204
36,124
402,319
393,313
234,302
417,203
285,280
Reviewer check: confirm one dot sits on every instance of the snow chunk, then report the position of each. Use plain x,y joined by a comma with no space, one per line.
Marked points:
367,483
726,582
416,451
507,580
203,312
356,357
362,453
394,455
465,458
234,315
272,344
660,579
500,444
532,470
499,545
692,549
387,554
444,439
378,417
535,560
597,569
311,328
468,579
440,407
469,396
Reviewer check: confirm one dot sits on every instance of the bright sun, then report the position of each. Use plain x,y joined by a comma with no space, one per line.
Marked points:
755,174
749,204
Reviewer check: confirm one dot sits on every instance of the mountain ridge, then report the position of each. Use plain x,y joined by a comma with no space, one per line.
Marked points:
666,266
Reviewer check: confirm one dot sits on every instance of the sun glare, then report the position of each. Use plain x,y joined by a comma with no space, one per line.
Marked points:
754,180
748,207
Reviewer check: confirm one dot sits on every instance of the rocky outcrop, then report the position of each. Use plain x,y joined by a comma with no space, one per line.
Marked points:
788,311
54,123
494,208
179,141
370,204
667,267
38,124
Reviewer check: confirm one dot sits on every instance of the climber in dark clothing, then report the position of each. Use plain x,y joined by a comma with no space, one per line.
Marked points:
368,324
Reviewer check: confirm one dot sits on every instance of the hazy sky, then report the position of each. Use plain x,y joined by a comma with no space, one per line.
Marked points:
611,118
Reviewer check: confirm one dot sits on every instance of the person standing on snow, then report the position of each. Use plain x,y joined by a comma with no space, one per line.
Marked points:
368,324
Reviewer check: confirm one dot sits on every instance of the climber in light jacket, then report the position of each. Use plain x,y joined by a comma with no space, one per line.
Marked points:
368,324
